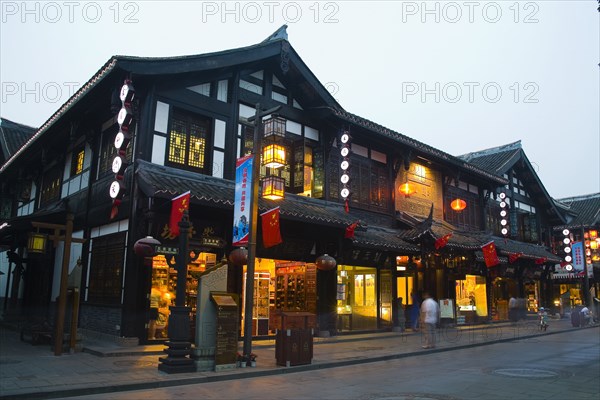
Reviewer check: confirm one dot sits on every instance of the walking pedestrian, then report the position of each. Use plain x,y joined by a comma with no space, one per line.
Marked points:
585,316
513,314
429,317
401,318
415,311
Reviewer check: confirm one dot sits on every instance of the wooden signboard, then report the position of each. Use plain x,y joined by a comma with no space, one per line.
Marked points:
227,329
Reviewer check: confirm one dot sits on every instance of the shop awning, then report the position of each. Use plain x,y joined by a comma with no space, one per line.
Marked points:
383,239
159,181
13,231
431,230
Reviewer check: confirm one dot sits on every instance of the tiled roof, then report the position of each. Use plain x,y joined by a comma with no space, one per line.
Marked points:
380,238
176,65
586,208
165,182
474,240
496,160
12,137
500,160
529,250
426,149
82,91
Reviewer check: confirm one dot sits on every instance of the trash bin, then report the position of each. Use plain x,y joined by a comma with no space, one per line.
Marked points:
294,339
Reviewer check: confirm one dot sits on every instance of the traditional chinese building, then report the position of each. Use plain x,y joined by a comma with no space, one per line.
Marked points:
85,178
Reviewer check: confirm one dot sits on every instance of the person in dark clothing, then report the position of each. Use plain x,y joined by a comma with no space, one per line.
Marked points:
415,311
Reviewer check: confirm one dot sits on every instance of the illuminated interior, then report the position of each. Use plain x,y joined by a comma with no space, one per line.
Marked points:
471,295
163,289
356,298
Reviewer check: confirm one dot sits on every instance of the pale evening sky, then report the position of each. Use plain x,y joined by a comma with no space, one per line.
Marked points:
460,76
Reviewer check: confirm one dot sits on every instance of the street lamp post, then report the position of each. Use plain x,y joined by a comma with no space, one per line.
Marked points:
179,350
256,151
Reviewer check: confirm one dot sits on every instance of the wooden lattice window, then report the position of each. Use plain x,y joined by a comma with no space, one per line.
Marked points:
50,186
369,182
77,161
106,269
188,140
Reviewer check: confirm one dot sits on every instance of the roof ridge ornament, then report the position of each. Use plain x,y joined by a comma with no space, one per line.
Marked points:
280,33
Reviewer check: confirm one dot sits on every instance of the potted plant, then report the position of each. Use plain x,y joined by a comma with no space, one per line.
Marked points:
241,360
253,359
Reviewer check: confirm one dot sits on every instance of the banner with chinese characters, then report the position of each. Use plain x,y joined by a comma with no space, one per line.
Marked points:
578,257
243,194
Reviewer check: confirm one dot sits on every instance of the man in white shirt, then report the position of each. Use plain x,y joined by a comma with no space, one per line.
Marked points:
585,316
429,318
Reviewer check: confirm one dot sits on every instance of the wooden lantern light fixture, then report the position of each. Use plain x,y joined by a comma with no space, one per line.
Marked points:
273,155
37,242
273,187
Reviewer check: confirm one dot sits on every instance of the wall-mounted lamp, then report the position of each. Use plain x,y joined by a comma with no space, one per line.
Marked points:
37,242
458,205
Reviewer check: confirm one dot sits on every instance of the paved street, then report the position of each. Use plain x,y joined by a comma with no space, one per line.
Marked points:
560,366
468,362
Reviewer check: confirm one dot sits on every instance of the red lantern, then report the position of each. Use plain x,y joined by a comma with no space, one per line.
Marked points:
146,247
239,256
458,204
325,262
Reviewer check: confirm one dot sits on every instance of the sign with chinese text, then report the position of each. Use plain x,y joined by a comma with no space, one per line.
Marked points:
241,211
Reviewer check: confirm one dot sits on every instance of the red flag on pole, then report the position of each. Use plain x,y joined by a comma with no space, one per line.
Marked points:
513,257
489,254
178,205
443,241
270,228
350,230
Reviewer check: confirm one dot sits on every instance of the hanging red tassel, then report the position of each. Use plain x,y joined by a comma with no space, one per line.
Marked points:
346,206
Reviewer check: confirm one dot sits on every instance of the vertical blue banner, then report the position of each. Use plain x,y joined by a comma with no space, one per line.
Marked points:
243,196
578,257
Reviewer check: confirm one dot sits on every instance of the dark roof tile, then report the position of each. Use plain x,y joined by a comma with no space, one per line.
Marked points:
496,160
166,182
586,207
12,137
